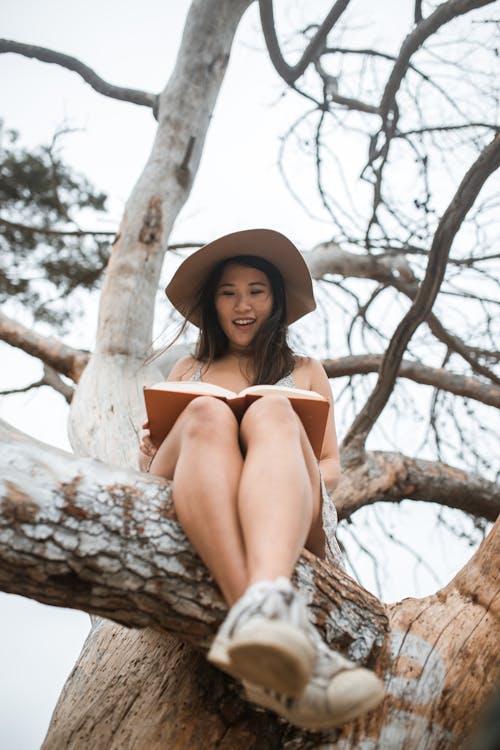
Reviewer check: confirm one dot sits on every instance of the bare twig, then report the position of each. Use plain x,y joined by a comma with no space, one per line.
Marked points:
290,73
134,96
488,162
56,232
444,13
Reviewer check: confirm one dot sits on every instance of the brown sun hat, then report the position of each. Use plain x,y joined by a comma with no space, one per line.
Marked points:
189,278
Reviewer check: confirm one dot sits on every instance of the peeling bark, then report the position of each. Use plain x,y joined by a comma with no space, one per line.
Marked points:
77,533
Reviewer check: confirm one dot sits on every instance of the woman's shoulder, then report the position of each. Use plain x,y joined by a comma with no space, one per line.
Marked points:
184,369
306,371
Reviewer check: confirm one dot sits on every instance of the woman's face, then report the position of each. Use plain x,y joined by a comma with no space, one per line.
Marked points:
243,302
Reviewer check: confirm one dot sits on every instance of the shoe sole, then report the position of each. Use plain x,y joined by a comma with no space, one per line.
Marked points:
273,655
218,656
334,720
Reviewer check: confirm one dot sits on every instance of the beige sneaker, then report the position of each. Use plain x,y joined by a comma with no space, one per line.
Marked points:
327,702
264,639
337,692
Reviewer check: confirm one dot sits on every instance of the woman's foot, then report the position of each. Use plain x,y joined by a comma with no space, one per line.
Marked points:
338,692
264,639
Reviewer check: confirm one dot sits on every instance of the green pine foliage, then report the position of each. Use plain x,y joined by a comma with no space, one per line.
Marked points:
41,198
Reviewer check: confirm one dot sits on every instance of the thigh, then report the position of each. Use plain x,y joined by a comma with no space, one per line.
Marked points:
280,409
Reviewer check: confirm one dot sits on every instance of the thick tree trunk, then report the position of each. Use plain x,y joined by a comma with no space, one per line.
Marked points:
108,404
104,419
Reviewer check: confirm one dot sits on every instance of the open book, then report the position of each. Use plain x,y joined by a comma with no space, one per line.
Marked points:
166,400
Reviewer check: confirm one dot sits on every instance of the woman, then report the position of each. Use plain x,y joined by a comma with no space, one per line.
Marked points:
251,495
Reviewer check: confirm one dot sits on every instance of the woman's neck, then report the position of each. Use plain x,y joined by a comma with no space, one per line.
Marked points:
243,360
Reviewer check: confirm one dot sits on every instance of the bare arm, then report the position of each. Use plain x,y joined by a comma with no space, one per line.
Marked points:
182,370
329,463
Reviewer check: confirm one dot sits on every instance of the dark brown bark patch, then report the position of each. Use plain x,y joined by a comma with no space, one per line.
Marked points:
17,507
152,225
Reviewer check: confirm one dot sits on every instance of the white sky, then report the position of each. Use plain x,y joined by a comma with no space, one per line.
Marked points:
238,186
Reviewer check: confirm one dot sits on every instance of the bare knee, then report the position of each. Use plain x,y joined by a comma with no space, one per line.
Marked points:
208,418
268,415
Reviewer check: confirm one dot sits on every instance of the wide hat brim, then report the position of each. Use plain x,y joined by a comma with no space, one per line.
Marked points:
192,274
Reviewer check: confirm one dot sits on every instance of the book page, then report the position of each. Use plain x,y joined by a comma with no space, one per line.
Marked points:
192,386
262,390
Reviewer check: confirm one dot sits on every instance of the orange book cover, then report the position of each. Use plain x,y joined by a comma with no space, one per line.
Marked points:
167,400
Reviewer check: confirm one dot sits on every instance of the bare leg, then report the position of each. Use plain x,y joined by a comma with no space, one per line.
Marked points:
279,498
203,457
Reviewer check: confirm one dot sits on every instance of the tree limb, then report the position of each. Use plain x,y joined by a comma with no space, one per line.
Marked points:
417,13
388,109
75,532
134,96
330,258
51,378
393,477
392,270
54,232
444,13
290,73
167,177
460,385
448,226
62,358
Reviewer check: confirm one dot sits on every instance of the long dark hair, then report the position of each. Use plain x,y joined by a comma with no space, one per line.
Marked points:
272,358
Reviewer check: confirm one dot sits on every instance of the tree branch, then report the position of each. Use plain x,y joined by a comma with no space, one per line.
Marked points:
64,359
444,13
54,232
393,477
75,532
393,270
332,95
479,577
467,192
388,108
330,258
460,385
417,13
50,378
290,73
134,96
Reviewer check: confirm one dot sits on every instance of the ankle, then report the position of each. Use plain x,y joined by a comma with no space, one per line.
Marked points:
263,585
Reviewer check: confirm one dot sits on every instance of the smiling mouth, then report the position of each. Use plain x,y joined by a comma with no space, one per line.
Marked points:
243,322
